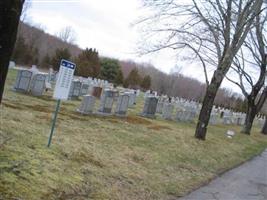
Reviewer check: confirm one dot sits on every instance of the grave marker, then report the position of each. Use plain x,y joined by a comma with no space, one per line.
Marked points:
38,84
122,105
150,107
87,105
23,81
167,111
106,102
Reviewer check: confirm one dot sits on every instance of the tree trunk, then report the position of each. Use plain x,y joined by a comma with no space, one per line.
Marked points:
250,116
264,128
204,116
10,11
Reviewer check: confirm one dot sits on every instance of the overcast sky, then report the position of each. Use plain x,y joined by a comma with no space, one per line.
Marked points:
107,26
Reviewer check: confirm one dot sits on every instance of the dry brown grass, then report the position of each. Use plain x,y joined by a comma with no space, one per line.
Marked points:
95,157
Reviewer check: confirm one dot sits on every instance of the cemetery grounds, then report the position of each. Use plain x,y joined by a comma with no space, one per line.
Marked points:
108,157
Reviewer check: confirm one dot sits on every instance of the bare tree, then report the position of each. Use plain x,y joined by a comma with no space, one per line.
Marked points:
212,30
264,128
10,11
253,55
67,35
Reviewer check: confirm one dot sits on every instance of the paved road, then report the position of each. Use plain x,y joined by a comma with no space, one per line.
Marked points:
246,182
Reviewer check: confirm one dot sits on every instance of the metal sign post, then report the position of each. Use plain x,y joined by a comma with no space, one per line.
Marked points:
53,123
62,88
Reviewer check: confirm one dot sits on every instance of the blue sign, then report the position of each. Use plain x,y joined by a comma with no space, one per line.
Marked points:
67,64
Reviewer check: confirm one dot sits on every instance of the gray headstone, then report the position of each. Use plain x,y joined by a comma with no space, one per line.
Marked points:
213,119
84,89
23,81
132,99
106,102
167,111
160,107
122,105
87,105
227,120
150,107
38,84
75,89
179,115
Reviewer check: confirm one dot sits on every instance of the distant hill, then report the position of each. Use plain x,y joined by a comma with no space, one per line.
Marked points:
46,43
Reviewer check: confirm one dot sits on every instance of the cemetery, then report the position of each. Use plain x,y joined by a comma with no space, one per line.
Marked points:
136,100
111,141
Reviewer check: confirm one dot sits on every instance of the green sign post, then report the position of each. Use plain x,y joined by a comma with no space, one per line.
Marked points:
53,123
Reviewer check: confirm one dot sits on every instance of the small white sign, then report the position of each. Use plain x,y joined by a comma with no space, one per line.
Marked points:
64,80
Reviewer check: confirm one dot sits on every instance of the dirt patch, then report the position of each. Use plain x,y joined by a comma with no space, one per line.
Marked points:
137,120
115,121
46,98
74,115
8,105
47,117
158,128
39,108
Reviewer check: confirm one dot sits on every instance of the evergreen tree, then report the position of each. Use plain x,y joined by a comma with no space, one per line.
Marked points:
110,69
146,82
133,79
119,78
88,63
59,55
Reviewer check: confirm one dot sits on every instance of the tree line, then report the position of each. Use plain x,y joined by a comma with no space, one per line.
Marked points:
34,46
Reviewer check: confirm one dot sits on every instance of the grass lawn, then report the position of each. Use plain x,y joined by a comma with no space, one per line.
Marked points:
107,158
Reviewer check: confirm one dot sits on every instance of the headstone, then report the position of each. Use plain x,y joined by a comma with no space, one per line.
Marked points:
179,115
185,115
239,120
38,84
75,89
84,89
87,105
106,102
96,92
23,81
122,105
34,69
227,120
213,119
132,98
150,107
167,111
51,75
159,107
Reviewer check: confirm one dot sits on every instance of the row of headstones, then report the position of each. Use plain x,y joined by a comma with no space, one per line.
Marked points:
30,81
188,113
34,82
108,98
218,115
187,110
153,105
